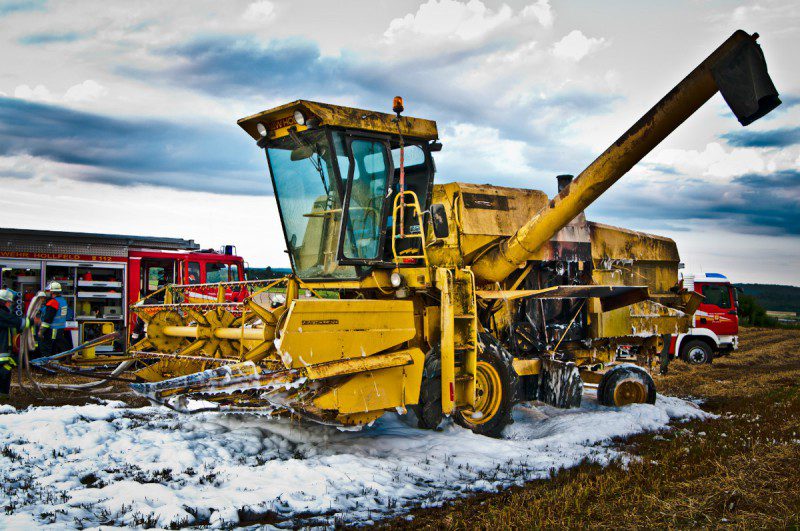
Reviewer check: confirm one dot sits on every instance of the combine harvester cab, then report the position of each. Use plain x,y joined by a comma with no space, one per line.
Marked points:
451,299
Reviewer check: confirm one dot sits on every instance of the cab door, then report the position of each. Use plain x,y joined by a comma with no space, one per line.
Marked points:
717,312
362,235
154,274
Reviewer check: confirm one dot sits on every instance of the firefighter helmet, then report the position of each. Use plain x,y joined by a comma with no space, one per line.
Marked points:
54,287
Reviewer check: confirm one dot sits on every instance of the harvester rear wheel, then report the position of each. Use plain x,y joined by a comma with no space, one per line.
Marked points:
496,385
626,384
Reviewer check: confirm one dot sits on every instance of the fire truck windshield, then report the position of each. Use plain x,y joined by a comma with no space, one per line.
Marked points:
309,194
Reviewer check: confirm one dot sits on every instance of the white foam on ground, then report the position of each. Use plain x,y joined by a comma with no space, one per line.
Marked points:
107,464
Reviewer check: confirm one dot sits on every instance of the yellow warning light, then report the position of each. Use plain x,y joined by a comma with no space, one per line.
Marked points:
397,104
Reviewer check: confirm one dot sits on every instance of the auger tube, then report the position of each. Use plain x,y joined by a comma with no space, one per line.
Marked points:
736,68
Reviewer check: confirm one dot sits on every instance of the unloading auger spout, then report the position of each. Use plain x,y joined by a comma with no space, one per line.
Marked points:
737,69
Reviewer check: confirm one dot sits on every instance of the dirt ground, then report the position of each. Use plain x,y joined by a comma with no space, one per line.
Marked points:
27,394
741,469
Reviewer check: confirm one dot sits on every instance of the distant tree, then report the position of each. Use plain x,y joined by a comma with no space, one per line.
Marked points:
751,313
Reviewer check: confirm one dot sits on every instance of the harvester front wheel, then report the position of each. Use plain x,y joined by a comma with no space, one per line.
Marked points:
496,385
429,408
626,384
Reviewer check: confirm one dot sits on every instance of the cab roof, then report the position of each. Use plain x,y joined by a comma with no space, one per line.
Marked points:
712,277
280,119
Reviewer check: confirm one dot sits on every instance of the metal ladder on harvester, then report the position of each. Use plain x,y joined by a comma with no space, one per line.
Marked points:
459,337
405,200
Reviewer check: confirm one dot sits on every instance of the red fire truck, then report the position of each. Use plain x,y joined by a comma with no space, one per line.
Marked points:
101,275
715,325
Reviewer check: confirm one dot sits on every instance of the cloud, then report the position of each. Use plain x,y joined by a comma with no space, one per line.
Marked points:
82,92
480,154
775,138
261,11
575,46
713,161
37,93
128,152
16,6
87,91
35,39
448,19
541,11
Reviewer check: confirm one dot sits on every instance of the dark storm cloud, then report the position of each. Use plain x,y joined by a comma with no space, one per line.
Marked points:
751,203
204,157
775,182
229,66
35,39
784,137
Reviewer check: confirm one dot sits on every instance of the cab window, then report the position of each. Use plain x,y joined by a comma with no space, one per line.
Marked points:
194,273
718,295
156,278
412,156
234,272
216,272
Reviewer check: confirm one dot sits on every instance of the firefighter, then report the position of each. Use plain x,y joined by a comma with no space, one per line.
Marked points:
9,325
53,336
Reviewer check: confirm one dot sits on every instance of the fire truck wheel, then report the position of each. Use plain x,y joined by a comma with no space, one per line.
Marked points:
429,408
496,385
697,352
626,384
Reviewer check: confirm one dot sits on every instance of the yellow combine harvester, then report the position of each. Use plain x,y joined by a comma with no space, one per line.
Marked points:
452,299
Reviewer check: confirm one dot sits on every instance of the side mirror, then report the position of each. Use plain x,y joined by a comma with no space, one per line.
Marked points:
439,221
302,152
435,146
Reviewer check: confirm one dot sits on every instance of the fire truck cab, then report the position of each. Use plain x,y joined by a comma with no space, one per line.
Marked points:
151,270
715,324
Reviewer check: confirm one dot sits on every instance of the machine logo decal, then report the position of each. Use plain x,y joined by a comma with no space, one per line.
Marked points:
320,322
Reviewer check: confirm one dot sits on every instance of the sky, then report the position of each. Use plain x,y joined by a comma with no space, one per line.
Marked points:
120,117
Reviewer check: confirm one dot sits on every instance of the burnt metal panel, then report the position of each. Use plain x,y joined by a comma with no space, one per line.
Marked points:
485,201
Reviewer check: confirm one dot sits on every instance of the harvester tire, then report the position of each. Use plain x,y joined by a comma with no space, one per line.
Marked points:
697,352
626,384
429,408
499,396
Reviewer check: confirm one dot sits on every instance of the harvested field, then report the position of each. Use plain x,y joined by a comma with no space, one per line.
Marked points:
740,469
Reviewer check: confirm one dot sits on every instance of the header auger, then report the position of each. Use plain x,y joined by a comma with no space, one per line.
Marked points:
451,299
